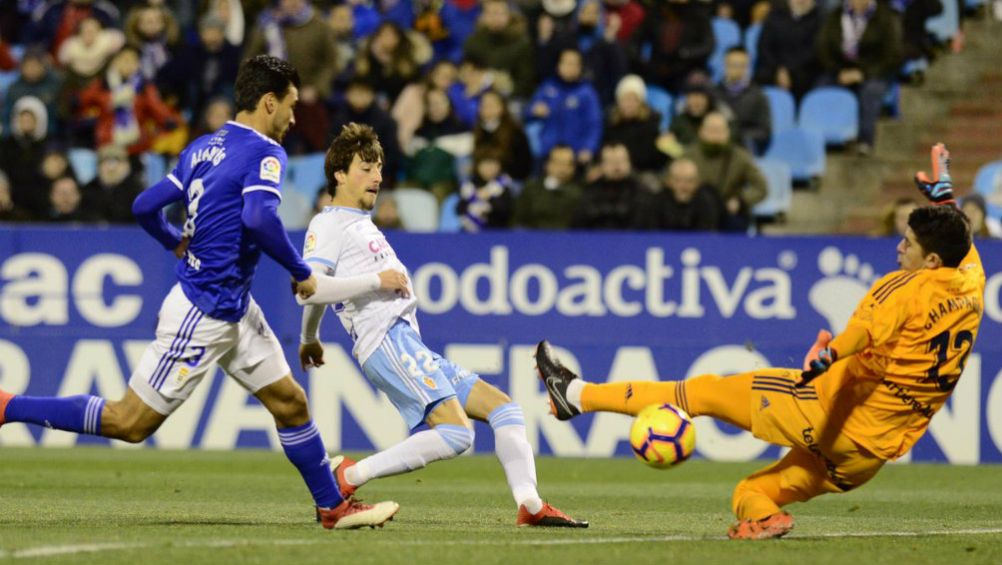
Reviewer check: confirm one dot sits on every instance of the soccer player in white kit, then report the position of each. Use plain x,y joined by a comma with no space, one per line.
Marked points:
360,276
230,183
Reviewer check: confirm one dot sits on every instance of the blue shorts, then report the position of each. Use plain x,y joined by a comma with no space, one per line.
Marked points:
414,377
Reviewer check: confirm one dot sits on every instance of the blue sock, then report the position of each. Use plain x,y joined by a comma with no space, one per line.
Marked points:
305,449
80,414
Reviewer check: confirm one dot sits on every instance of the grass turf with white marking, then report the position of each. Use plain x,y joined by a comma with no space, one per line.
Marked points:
96,505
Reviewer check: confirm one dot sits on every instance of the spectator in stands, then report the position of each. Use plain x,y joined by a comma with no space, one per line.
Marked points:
7,60
21,155
9,210
748,106
684,128
359,106
390,58
486,200
632,123
217,112
387,213
153,30
982,226
605,60
497,129
231,13
110,195
681,40
55,164
55,21
626,16
548,202
860,49
501,42
569,109
341,20
292,30
686,203
432,154
730,170
894,220
408,110
617,200
64,202
36,79
918,43
786,55
474,79
128,109
204,70
446,25
85,53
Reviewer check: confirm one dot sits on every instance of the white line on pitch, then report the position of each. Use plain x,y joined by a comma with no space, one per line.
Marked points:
54,550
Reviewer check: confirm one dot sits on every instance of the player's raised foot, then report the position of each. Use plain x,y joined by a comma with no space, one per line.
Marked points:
352,514
4,401
547,517
340,464
774,526
556,377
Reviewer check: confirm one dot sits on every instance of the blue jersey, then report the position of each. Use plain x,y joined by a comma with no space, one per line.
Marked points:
215,171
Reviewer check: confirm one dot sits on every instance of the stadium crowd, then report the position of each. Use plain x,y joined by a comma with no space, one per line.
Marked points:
552,114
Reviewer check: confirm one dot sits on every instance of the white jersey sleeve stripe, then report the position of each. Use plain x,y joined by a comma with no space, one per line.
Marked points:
174,180
263,187
321,261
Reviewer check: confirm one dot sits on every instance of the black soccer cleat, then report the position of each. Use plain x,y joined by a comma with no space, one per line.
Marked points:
556,377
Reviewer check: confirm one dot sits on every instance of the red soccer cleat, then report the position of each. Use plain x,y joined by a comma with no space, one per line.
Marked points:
5,398
547,517
352,514
774,526
340,464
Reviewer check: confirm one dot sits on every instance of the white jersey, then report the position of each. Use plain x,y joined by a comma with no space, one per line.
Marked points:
346,243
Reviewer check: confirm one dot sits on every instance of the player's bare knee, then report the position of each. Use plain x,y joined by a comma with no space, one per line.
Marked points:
291,409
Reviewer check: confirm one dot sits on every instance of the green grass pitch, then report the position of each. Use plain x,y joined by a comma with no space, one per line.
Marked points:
109,506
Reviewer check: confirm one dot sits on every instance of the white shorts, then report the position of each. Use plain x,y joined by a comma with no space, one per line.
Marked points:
189,344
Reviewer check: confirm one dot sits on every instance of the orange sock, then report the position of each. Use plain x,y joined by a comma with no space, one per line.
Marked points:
725,398
629,397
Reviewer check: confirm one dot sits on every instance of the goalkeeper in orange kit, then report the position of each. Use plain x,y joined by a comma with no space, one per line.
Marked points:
862,398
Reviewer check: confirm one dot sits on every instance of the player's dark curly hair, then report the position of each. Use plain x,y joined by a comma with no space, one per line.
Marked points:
354,139
260,75
943,230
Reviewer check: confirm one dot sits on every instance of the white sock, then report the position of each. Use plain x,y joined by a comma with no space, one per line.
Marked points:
574,389
413,453
515,454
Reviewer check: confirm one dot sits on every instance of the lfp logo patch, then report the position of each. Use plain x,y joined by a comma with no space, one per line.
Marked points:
271,169
311,242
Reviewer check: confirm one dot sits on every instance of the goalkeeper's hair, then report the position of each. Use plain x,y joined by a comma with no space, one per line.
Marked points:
354,139
943,230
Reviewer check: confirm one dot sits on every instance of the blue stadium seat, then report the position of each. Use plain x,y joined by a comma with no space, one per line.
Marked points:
448,219
944,26
418,209
659,99
752,34
295,210
780,181
782,108
305,175
803,150
833,112
891,104
726,34
84,163
988,183
7,78
155,167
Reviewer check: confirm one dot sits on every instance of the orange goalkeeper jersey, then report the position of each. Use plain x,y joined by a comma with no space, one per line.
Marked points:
921,327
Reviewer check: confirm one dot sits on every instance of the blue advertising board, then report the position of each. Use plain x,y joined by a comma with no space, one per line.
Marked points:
77,308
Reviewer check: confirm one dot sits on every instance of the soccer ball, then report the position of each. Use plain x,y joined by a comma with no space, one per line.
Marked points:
662,436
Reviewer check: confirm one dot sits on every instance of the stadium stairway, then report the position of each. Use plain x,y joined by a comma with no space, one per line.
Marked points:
959,104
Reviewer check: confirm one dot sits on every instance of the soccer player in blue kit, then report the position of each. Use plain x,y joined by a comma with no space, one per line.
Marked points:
230,183
360,276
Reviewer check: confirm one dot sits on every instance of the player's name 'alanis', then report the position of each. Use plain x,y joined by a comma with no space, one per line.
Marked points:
215,154
949,305
655,289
